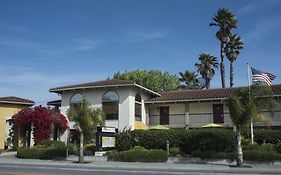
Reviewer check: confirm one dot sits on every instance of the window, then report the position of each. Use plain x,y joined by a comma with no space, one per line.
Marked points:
138,107
76,101
110,105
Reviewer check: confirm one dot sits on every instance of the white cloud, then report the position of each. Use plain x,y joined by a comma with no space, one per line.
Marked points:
256,6
263,29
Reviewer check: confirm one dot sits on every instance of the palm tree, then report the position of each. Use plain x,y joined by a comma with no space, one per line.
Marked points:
225,20
232,50
206,67
190,79
244,107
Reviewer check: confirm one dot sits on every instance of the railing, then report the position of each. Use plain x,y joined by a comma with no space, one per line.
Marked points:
174,119
200,119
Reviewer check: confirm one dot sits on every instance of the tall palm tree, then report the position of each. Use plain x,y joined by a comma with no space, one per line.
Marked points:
232,50
190,79
225,20
206,67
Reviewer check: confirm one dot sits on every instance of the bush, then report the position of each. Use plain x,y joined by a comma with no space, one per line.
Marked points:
139,155
269,156
267,136
277,147
175,151
90,147
72,149
208,140
44,150
124,141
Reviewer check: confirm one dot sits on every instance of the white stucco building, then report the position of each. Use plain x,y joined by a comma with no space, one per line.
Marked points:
125,102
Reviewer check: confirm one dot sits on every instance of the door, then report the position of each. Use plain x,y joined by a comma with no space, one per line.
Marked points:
218,116
164,115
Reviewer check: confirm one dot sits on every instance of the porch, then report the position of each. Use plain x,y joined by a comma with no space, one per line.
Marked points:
193,120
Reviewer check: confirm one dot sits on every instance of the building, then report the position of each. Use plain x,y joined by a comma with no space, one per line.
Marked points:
125,102
8,107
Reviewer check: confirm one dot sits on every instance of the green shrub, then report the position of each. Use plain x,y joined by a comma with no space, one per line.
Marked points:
175,151
90,147
269,156
208,140
72,149
139,155
277,147
267,136
44,150
88,153
124,140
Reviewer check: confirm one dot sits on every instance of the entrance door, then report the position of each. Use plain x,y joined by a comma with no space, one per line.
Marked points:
164,115
218,116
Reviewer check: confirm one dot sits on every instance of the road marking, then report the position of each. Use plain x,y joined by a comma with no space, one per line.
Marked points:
17,173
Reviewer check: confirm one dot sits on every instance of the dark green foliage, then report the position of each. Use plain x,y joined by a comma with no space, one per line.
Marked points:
139,155
269,156
124,141
186,140
217,140
46,150
155,80
90,147
88,153
277,147
267,136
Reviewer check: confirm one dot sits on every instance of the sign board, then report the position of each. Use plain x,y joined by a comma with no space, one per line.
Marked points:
108,129
108,142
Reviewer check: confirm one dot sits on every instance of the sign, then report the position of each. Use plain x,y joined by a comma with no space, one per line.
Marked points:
108,142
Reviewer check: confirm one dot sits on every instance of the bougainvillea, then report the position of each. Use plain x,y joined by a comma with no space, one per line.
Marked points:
42,121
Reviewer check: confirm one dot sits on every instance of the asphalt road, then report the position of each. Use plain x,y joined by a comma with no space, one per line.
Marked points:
6,169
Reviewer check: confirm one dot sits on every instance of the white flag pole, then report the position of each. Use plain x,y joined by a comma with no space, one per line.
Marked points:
251,125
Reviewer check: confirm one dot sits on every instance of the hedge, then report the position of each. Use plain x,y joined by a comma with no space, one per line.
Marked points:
139,155
45,150
186,140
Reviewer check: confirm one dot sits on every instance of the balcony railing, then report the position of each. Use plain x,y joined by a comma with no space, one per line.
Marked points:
200,119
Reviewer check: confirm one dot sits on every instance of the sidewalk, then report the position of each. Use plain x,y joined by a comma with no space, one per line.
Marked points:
100,162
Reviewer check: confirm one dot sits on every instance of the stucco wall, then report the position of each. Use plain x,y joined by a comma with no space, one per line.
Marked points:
6,110
126,103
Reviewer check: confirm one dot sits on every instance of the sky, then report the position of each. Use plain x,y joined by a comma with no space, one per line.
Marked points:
50,43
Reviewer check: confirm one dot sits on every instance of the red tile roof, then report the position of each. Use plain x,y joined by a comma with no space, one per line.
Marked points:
16,100
202,95
98,84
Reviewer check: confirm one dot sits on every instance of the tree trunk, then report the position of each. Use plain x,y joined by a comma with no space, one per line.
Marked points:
207,83
222,66
239,147
231,74
81,155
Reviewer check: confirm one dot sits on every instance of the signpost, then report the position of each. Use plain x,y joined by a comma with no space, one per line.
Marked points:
105,137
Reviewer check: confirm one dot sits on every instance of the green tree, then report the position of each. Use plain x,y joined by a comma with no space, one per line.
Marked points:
155,80
225,20
206,67
190,80
244,107
233,48
88,119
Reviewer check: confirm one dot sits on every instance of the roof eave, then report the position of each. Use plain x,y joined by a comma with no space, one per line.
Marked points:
20,103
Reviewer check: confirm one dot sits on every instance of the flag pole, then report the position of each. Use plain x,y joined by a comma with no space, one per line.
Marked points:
251,124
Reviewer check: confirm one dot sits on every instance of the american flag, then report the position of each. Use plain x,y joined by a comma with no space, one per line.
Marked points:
264,77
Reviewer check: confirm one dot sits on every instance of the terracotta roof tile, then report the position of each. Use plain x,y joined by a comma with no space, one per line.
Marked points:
205,94
12,99
102,83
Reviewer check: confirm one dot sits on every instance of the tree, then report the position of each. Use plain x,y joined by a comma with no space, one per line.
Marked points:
155,80
41,120
206,67
190,79
88,118
244,107
225,20
233,48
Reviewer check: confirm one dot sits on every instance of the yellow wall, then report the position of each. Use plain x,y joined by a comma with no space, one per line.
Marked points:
6,110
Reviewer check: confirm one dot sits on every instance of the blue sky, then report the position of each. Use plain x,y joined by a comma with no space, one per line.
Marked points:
44,44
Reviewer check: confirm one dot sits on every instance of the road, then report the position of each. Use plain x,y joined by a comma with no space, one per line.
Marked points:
9,169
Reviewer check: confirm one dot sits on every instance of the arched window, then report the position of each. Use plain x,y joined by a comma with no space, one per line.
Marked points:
138,107
110,105
76,101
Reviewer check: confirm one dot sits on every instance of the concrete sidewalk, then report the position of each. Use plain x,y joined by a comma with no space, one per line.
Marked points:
100,162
